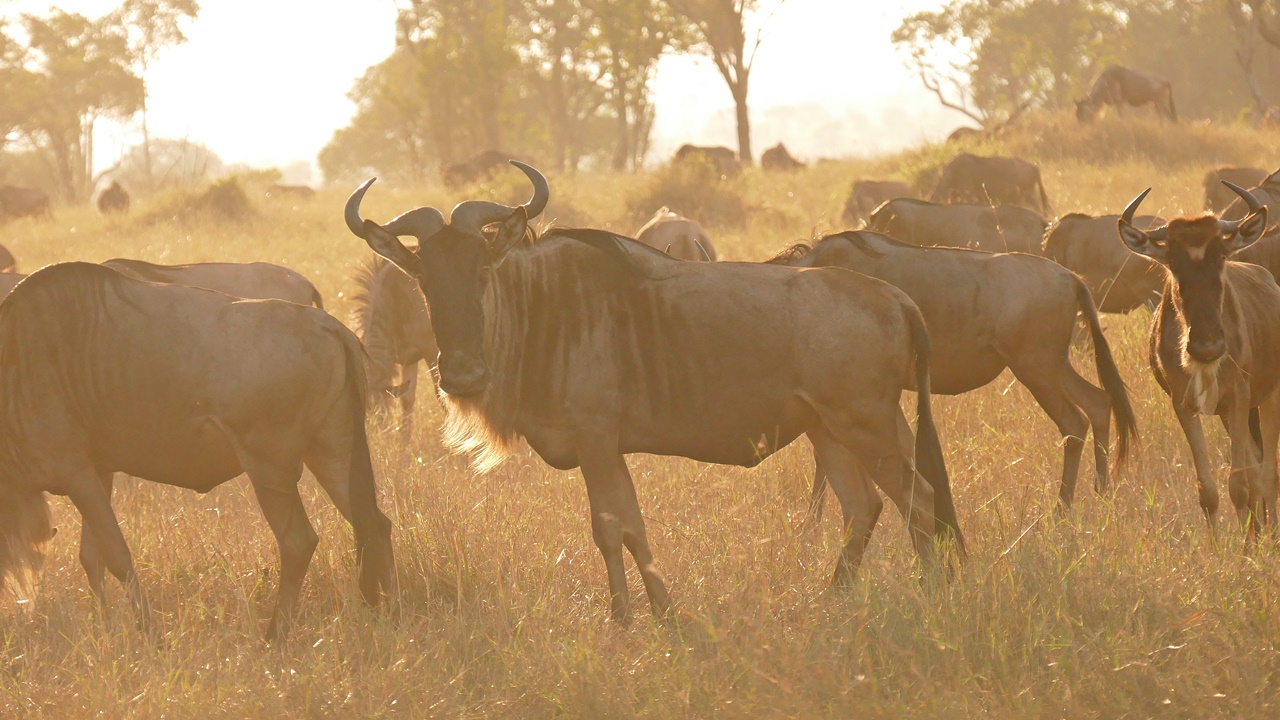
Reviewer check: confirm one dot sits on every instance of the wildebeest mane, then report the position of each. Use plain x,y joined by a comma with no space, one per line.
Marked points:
619,247
790,255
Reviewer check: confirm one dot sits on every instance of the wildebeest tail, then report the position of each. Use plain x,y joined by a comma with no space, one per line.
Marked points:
371,528
1173,111
929,460
316,298
1044,196
1108,374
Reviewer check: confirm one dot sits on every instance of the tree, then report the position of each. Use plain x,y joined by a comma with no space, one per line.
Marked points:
721,26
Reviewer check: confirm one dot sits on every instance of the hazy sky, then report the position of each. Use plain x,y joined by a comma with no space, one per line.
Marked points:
265,81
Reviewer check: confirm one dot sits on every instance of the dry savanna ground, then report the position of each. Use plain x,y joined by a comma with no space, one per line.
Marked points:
1124,606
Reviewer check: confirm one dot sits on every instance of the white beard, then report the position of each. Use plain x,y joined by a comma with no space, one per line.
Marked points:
1202,390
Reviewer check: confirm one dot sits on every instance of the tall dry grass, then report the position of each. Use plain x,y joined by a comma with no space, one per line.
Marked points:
1124,607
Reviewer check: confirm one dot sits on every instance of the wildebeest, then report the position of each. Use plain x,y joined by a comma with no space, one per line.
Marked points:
964,133
114,199
390,318
777,158
1215,347
1119,280
867,195
1266,192
7,282
677,236
182,386
1218,197
7,262
252,281
723,160
1004,228
299,192
591,346
989,312
475,168
19,202
991,181
1119,86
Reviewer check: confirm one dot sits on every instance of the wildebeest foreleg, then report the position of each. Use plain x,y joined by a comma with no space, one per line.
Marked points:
1269,421
1194,433
408,378
616,522
91,555
858,500
1245,483
91,499
277,494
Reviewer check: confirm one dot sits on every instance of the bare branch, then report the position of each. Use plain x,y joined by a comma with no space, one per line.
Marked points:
934,87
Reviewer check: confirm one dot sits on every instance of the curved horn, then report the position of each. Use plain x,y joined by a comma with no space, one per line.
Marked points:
1133,206
352,213
1228,227
421,223
472,215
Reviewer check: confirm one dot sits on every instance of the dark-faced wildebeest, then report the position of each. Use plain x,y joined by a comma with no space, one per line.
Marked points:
677,236
1215,348
1119,280
991,181
723,160
989,312
252,281
390,318
867,195
777,158
1119,86
19,202
1004,228
1218,197
113,199
591,347
182,386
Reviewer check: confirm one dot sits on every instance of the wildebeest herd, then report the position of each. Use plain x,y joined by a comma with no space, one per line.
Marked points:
590,346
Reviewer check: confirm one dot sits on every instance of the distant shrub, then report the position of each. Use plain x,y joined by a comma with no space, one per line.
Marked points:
693,188
221,201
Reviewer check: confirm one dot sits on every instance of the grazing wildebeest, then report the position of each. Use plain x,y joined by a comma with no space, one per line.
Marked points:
1004,228
964,133
777,158
114,199
723,160
591,346
867,195
182,386
1119,280
1119,86
1215,347
991,181
299,192
989,312
677,236
1218,197
19,202
475,168
7,262
252,281
390,318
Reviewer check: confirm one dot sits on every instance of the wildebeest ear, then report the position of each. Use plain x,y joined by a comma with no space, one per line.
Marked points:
1251,228
1140,242
389,246
510,233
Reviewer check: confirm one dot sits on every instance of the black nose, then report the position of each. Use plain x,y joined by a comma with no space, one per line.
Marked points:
463,375
1207,351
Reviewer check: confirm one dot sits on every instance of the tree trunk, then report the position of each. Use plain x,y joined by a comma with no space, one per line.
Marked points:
744,121
622,149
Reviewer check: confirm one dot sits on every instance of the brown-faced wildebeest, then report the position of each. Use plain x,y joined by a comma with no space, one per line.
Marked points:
182,386
591,346
867,195
19,202
991,181
1119,280
723,160
390,318
1218,197
1119,86
1004,228
989,312
113,199
677,236
251,281
1215,348
778,159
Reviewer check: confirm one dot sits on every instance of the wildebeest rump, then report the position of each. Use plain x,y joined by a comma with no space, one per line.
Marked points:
1004,228
777,158
1118,86
1218,197
1215,348
991,181
252,281
390,318
591,347
677,236
722,159
1119,280
19,202
867,195
113,199
987,312
182,386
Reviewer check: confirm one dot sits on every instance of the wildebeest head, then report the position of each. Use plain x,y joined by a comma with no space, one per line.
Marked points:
453,265
1195,252
1086,110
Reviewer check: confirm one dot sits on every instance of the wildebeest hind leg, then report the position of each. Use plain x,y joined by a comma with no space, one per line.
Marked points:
1050,391
91,555
1269,422
859,502
1097,407
277,490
